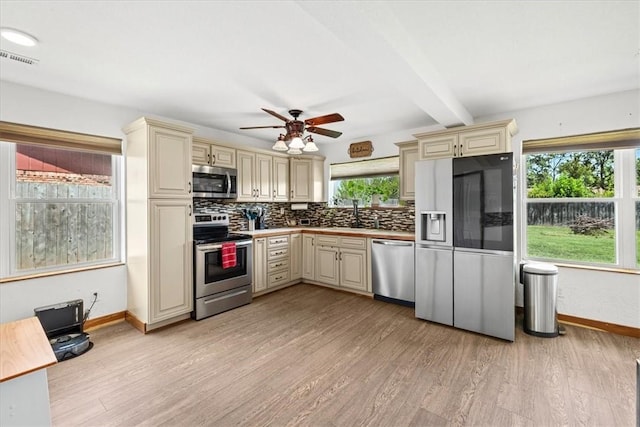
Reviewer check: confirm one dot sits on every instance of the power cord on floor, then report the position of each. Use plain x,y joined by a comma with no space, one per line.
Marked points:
86,313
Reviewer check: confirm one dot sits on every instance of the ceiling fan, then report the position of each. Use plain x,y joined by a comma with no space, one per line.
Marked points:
296,128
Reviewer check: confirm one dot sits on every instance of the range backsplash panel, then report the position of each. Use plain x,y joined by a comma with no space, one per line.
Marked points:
277,215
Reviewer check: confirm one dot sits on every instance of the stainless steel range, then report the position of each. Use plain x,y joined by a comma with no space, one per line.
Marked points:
220,284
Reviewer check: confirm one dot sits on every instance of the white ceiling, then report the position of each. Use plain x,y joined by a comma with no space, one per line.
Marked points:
384,65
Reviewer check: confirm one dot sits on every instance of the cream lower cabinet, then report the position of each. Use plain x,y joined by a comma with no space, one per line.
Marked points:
277,260
342,261
259,264
308,256
295,258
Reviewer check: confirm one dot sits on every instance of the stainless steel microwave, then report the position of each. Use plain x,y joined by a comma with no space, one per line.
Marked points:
211,182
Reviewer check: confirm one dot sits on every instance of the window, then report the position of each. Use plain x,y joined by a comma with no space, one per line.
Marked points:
61,202
370,182
581,195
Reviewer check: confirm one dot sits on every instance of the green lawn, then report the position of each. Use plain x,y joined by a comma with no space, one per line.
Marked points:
560,243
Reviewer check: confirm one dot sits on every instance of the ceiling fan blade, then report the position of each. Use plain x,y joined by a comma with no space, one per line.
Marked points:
325,132
321,120
263,127
274,114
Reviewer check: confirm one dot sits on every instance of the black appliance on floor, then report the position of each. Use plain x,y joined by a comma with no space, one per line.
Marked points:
63,324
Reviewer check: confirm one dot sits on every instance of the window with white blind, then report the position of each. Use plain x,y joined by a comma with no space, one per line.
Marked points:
582,203
60,198
370,182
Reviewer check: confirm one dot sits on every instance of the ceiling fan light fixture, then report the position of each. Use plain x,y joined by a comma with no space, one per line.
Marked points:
294,151
296,142
18,37
310,146
280,145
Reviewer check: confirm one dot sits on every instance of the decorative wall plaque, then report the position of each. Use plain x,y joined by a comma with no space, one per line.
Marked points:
360,149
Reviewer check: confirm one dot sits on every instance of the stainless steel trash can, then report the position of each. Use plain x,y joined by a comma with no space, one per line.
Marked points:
540,299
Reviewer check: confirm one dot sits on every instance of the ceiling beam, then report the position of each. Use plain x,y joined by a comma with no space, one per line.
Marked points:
372,31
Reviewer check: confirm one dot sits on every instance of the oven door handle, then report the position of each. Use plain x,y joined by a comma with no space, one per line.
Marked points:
235,294
207,248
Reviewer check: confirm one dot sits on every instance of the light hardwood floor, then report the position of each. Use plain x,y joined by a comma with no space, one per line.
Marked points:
308,355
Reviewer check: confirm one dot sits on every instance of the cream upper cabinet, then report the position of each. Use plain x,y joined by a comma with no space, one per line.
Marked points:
204,152
408,156
280,179
307,179
170,261
260,264
160,156
159,223
473,140
255,176
308,256
295,258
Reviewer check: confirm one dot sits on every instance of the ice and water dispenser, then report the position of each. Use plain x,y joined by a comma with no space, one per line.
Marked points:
433,225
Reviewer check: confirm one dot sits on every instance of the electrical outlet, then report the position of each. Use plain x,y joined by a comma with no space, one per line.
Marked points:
281,211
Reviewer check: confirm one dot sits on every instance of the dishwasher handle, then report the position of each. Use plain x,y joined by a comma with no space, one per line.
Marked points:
391,243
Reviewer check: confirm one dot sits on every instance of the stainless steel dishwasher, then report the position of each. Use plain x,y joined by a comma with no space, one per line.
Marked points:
392,266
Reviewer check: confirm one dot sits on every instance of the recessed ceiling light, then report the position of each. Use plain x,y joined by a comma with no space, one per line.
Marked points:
18,37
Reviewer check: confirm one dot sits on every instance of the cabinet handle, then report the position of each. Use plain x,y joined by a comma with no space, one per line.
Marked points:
455,151
460,154
189,187
336,256
189,210
213,159
209,158
291,193
274,193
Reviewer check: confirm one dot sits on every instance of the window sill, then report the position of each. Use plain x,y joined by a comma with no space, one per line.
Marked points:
588,267
59,272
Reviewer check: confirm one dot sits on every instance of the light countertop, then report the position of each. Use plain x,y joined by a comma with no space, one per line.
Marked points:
340,231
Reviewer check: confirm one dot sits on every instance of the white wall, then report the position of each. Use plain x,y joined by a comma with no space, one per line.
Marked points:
32,106
600,295
605,296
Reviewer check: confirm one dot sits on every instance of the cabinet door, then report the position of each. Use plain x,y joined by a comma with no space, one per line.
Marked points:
296,257
280,179
327,265
408,157
263,177
308,256
245,183
169,163
438,147
171,289
482,141
200,153
259,264
301,185
223,156
353,269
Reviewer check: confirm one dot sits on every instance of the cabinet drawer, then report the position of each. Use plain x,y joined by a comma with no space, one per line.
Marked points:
353,242
281,264
327,240
277,241
278,253
279,278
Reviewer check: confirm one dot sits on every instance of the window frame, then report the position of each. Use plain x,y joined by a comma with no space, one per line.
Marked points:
364,169
11,135
624,144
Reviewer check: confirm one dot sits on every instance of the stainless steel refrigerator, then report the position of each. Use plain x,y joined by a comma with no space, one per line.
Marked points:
465,263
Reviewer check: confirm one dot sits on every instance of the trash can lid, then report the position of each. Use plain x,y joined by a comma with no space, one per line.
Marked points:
540,268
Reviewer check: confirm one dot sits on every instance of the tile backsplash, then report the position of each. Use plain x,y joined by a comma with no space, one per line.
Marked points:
318,214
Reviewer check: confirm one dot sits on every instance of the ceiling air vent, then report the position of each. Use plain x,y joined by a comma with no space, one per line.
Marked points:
19,58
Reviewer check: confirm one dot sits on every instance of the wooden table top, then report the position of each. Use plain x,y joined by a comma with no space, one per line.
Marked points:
24,348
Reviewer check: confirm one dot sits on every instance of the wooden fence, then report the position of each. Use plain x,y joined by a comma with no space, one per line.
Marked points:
563,214
64,232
